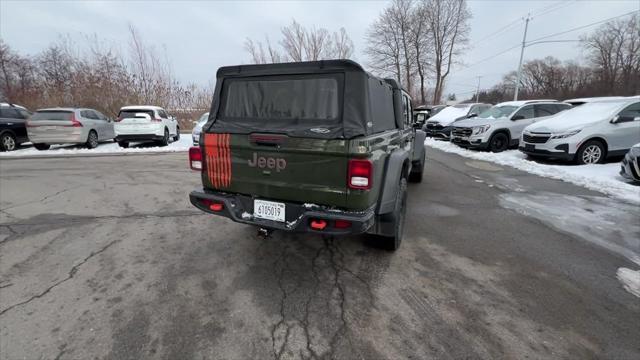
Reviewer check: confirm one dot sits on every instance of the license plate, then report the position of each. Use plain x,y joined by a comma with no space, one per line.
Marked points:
529,147
268,210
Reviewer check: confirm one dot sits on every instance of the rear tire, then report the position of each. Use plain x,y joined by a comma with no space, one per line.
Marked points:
92,140
392,242
42,146
123,144
165,138
499,142
7,142
177,137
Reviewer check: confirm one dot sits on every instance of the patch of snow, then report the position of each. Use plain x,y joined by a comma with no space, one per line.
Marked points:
449,114
596,219
603,178
183,144
309,205
630,280
246,216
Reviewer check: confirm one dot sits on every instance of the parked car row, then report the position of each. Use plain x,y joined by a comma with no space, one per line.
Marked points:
52,126
587,132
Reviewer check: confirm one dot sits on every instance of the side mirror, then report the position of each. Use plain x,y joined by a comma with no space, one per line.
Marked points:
517,117
471,115
621,119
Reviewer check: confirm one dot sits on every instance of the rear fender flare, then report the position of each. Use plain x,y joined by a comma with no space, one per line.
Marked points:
418,145
397,165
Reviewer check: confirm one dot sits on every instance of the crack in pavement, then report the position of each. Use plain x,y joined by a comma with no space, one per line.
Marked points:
329,259
46,197
70,275
75,219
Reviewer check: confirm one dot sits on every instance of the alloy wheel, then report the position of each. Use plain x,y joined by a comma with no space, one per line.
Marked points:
591,154
8,143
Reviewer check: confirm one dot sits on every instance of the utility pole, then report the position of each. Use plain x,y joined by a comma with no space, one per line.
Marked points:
524,41
478,88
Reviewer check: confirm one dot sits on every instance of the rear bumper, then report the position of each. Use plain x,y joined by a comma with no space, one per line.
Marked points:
239,208
139,137
62,139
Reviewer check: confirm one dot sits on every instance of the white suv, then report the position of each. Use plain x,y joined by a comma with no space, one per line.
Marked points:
145,123
587,134
499,128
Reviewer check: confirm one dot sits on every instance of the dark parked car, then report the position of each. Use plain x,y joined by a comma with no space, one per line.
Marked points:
630,167
13,131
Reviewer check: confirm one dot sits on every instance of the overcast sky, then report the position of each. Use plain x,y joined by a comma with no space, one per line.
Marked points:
201,36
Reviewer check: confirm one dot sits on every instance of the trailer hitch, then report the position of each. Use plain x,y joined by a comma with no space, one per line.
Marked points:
264,233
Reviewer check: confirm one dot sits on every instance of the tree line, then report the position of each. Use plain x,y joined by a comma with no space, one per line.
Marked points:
96,75
611,68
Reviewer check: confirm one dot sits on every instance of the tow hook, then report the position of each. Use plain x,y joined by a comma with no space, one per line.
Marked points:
264,233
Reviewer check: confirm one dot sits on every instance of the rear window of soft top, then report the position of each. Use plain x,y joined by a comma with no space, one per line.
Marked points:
299,97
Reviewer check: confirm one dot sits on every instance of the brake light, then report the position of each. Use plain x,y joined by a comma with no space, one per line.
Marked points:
317,224
360,174
119,119
156,119
195,158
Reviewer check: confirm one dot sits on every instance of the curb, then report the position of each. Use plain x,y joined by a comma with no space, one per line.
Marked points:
62,156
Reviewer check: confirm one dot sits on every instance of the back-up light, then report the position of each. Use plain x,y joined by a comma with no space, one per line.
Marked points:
195,158
360,174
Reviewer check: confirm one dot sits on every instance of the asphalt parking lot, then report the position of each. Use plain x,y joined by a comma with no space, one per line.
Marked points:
104,257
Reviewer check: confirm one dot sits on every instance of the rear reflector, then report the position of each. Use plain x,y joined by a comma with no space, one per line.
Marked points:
195,158
317,224
212,205
216,207
360,174
342,224
74,122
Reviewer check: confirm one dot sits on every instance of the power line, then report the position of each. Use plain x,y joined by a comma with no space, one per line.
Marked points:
492,56
554,7
500,30
584,26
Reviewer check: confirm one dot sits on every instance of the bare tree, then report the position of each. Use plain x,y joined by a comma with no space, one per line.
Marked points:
448,24
342,45
420,40
384,46
294,41
614,49
302,44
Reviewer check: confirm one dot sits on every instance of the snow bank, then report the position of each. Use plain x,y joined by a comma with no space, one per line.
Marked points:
630,280
103,149
601,177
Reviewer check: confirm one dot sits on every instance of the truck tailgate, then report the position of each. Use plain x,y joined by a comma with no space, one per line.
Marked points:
279,167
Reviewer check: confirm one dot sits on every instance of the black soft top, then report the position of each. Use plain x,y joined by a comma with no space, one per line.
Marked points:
368,104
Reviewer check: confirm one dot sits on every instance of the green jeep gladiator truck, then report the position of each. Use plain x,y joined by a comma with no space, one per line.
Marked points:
321,147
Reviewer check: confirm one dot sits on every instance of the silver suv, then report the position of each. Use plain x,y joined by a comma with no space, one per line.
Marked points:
499,128
587,134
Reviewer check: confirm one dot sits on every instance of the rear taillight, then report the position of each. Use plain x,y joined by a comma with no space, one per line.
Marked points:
74,122
195,158
156,119
360,175
118,119
30,124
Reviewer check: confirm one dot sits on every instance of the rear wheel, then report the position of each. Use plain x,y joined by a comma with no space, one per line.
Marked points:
396,218
92,140
165,138
177,137
591,152
499,142
7,142
123,144
42,146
